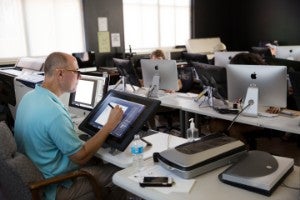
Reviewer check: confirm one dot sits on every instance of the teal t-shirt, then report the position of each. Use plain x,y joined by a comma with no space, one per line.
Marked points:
45,133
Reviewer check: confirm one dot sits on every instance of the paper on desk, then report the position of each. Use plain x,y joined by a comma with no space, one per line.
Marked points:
181,185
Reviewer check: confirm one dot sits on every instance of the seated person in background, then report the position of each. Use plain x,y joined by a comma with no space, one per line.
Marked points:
45,133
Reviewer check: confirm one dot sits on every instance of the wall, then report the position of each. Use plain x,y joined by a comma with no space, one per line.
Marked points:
113,10
242,24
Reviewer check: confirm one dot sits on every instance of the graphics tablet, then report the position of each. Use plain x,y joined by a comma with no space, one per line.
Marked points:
137,110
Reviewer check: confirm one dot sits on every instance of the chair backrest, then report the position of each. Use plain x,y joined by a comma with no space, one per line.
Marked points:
21,164
11,184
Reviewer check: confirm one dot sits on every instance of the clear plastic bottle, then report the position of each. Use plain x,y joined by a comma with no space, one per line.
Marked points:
137,150
192,133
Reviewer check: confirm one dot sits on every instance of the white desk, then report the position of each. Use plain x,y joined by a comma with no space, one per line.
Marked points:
160,142
281,123
208,187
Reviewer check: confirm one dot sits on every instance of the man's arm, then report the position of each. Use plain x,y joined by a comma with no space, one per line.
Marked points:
93,144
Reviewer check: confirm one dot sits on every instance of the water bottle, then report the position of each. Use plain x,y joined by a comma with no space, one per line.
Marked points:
137,150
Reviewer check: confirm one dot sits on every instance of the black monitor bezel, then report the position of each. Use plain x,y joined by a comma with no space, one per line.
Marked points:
151,105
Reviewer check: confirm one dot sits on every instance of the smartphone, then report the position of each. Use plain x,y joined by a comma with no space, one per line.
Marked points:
156,181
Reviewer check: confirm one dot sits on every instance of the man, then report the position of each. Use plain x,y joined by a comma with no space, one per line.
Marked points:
45,133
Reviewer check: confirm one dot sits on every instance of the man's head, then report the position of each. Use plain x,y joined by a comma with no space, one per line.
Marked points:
247,59
61,73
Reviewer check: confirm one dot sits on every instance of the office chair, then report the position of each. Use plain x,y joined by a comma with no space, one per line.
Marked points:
20,178
126,69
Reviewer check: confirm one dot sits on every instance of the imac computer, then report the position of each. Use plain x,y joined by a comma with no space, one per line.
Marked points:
167,71
288,52
270,80
89,92
137,110
223,58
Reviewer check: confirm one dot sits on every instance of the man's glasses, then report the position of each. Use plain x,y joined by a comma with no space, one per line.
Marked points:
74,71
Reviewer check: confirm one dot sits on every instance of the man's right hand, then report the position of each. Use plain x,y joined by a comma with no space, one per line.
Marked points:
115,116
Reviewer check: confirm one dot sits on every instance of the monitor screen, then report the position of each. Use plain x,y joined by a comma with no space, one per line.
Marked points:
223,58
85,59
270,80
207,72
288,52
195,57
167,70
126,69
137,110
89,91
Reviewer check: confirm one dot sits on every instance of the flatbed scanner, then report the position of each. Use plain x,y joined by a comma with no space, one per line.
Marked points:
194,158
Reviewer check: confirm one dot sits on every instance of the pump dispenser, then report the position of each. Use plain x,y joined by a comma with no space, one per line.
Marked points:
192,132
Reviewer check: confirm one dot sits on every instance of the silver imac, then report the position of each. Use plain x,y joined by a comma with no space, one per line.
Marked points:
288,52
167,70
271,82
223,58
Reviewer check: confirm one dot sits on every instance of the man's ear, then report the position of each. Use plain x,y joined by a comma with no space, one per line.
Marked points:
59,73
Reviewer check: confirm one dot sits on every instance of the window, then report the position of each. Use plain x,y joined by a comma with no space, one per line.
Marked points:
36,28
151,24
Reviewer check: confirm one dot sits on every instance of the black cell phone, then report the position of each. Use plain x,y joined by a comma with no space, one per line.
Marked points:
157,181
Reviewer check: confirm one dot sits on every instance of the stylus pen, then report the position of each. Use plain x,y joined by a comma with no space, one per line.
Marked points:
148,143
110,106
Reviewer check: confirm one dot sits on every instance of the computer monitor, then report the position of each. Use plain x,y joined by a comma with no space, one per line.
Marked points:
194,57
137,110
85,59
288,52
206,72
223,58
126,69
270,80
167,70
90,90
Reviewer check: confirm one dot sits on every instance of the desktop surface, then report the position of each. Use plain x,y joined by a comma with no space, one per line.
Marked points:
206,186
160,142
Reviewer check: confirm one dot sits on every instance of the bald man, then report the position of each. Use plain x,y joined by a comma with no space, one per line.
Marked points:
45,133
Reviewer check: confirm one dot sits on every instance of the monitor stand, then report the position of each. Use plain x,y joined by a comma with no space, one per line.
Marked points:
208,99
252,99
123,80
153,90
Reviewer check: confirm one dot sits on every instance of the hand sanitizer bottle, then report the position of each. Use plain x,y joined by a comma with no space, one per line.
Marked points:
192,132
